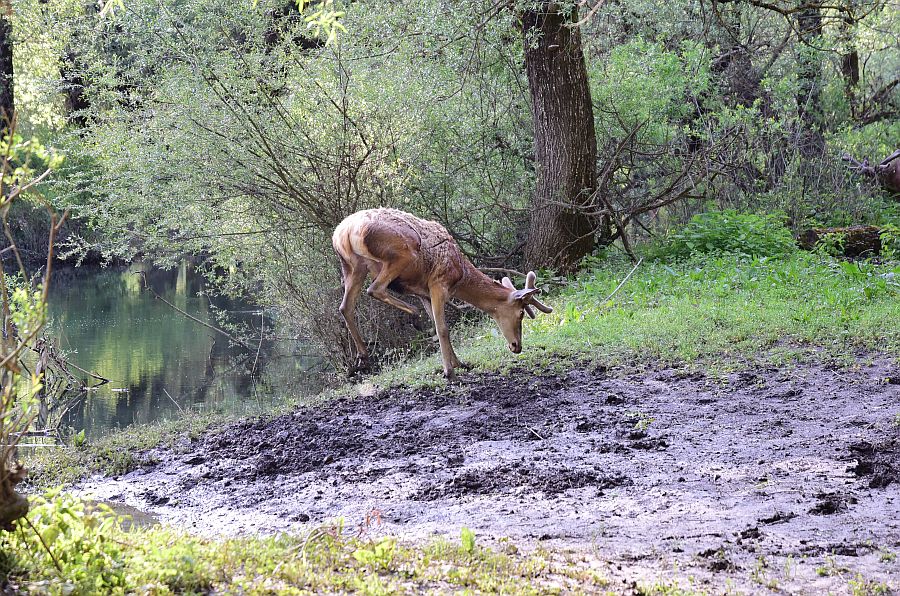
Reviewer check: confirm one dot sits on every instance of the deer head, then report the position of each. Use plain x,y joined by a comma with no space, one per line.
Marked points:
510,313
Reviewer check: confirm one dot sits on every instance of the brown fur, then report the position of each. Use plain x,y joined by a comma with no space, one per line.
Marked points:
418,257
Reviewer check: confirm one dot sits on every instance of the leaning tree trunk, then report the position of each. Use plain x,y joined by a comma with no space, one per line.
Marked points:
6,72
565,145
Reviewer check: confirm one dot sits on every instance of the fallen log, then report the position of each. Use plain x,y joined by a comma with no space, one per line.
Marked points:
854,241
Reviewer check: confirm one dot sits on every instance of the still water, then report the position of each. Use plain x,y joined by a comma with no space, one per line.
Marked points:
160,363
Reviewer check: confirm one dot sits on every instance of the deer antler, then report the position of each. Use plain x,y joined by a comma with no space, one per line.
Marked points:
530,280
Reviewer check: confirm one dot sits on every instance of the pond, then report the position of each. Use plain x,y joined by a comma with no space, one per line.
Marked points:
160,363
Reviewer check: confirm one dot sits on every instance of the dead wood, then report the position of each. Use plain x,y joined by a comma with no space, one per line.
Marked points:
854,241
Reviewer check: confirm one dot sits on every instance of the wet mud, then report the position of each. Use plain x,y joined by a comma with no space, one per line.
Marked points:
782,480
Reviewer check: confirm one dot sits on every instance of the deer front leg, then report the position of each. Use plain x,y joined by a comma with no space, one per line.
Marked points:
448,356
454,360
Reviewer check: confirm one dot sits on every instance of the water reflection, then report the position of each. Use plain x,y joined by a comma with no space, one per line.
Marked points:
159,362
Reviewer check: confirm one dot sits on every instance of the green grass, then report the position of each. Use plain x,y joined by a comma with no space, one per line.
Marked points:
717,311
74,549
113,454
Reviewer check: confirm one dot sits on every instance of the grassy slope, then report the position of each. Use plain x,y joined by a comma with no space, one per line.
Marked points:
718,312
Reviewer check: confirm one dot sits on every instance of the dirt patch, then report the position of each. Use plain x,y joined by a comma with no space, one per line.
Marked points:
879,464
759,479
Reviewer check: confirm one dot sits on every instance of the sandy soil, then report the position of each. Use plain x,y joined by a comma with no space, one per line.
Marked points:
780,479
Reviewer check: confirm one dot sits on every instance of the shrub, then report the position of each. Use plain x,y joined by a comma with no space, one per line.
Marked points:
729,232
890,242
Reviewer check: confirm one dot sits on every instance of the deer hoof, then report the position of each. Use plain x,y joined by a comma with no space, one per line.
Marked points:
361,364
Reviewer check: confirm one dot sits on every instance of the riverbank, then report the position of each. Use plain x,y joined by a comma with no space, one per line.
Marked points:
714,314
731,422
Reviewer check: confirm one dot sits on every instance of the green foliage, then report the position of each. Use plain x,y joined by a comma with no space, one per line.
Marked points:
729,232
80,549
890,242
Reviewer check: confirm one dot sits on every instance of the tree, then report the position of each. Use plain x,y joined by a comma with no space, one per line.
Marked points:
809,78
7,104
565,143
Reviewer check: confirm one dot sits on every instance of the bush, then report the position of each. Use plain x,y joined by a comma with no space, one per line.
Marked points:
729,232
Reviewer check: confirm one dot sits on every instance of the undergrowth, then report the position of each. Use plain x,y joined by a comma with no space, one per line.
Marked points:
70,547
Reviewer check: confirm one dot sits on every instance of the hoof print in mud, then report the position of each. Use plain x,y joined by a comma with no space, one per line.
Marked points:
644,443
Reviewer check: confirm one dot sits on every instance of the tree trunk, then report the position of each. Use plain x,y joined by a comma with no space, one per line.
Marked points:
809,80
565,144
7,106
75,100
850,61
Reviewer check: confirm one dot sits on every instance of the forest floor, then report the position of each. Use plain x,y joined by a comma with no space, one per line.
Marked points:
778,477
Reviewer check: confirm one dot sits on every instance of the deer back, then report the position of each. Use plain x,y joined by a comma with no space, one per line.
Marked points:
385,235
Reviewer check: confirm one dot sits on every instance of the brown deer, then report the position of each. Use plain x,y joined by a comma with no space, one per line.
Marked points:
418,257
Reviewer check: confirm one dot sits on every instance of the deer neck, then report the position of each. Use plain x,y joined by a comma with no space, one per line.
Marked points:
480,291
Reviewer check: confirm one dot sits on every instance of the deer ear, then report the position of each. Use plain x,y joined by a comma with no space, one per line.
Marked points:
507,283
523,295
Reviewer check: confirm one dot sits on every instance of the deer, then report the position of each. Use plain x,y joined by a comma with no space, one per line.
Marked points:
886,173
420,258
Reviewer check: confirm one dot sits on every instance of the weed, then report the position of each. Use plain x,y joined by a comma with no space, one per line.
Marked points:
860,586
831,244
642,421
467,539
890,242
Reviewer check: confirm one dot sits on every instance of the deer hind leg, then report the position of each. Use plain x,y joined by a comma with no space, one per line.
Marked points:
353,276
378,290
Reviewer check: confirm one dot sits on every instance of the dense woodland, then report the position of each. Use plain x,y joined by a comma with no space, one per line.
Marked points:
544,136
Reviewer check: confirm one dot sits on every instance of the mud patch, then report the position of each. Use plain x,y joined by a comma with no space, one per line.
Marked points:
519,478
749,480
878,464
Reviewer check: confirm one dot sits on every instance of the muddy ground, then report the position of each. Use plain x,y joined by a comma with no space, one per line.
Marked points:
778,479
